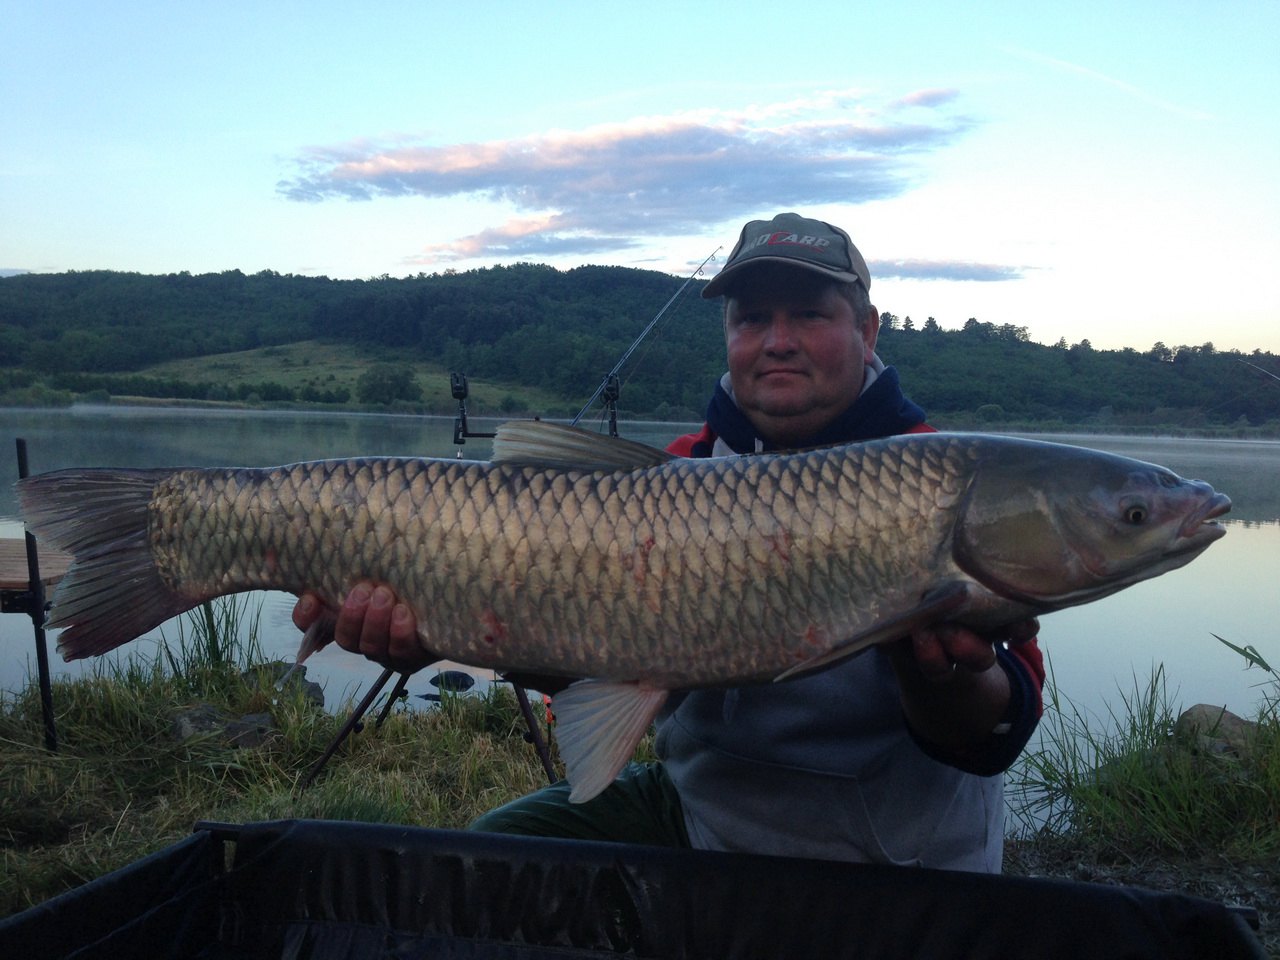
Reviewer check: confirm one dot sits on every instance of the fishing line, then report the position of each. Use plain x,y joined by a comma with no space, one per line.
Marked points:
1246,393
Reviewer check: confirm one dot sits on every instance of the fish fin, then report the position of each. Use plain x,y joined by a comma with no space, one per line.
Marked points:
541,444
318,636
934,607
598,725
112,592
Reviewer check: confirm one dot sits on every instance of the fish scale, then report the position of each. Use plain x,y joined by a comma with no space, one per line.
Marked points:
581,556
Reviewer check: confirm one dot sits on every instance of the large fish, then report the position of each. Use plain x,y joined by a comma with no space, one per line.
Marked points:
578,555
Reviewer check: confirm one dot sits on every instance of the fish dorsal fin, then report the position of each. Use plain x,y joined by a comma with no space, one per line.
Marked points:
540,444
933,608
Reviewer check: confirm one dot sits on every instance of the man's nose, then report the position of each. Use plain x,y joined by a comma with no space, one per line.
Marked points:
779,337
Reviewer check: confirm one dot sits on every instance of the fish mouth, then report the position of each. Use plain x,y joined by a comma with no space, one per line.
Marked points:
1201,521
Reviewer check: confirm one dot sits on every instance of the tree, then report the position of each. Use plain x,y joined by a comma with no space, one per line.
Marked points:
974,327
385,383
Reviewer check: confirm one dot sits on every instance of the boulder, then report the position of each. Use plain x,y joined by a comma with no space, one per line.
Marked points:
1215,730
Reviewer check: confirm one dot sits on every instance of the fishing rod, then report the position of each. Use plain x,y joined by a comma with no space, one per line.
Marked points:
1258,368
609,386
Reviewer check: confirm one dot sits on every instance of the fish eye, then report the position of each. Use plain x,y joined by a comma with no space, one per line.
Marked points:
1136,514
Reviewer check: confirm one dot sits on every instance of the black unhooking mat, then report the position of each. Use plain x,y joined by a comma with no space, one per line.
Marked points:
314,890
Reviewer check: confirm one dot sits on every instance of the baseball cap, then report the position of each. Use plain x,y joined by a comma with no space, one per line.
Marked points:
790,238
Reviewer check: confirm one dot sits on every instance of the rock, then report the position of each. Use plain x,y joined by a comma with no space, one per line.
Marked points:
251,730
1215,730
198,720
206,720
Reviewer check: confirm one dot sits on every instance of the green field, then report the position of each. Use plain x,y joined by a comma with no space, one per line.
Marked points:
327,366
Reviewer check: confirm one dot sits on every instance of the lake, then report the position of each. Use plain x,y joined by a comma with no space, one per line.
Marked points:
1233,590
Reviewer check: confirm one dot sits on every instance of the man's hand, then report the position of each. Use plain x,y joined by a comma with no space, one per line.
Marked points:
953,691
370,622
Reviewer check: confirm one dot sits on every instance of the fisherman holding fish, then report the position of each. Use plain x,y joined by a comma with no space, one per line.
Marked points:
681,586
893,756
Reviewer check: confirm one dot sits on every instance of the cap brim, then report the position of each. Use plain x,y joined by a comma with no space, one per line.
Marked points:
718,284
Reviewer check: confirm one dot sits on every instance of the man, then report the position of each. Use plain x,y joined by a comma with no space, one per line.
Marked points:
893,756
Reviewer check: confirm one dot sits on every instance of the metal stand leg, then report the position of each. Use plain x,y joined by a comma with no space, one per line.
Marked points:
352,724
34,604
535,735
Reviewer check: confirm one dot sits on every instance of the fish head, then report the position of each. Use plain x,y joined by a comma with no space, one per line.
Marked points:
1054,525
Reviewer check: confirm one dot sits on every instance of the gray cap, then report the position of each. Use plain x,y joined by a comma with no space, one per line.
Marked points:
798,241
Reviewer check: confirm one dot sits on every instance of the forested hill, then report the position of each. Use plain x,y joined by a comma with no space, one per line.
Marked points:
563,330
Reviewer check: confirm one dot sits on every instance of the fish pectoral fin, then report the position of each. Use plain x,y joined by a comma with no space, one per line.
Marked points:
598,725
540,444
934,607
318,636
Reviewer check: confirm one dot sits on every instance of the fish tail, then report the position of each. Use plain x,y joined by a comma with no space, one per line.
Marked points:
113,591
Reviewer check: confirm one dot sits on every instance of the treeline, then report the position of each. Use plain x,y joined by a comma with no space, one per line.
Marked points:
101,320
996,374
99,331
533,324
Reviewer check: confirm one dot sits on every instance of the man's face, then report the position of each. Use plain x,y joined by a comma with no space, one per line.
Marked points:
796,354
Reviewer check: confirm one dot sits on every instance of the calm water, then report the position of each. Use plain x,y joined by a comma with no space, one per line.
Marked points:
1095,650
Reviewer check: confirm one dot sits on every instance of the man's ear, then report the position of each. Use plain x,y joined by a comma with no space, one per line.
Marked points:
872,330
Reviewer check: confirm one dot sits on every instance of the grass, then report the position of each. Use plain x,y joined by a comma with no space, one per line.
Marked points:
121,785
1131,786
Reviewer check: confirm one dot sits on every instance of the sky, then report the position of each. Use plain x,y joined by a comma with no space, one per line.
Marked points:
1090,171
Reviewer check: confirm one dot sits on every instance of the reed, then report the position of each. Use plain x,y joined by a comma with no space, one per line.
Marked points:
1125,785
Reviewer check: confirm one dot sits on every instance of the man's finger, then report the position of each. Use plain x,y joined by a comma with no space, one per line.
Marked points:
350,624
1024,630
306,611
965,648
404,643
930,655
376,629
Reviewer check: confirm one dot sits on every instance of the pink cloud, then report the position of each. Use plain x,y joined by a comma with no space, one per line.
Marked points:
605,187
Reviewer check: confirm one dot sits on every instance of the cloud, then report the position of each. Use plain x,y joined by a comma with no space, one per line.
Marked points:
614,186
926,98
942,270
